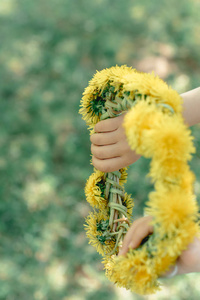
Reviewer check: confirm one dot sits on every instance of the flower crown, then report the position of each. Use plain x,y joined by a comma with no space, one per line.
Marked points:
155,129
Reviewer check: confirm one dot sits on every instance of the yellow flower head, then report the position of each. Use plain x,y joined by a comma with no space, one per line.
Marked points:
128,203
169,170
171,209
169,139
120,82
95,226
94,190
123,177
132,272
155,87
139,119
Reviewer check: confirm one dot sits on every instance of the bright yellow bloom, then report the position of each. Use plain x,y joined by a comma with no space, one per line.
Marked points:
94,233
126,79
151,85
123,177
171,209
176,240
139,119
132,272
170,169
171,174
128,202
109,263
93,191
169,139
163,262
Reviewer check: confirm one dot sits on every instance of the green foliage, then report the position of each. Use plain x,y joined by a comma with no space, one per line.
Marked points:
49,50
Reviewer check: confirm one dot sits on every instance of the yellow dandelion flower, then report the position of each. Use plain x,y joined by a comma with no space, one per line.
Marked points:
118,74
132,272
94,231
123,177
162,263
170,170
170,210
140,118
109,263
169,138
174,242
128,203
94,190
151,85
93,102
185,180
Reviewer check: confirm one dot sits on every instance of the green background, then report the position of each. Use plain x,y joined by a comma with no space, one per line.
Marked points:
49,50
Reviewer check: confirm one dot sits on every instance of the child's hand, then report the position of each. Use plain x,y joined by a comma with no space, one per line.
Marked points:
110,148
136,233
188,261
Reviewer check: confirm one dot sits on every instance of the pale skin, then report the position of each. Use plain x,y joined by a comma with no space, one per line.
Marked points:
111,152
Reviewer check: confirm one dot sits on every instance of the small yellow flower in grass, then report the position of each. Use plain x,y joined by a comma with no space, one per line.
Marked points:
94,190
95,226
171,209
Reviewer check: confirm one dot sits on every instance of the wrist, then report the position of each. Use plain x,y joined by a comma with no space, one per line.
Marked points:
191,106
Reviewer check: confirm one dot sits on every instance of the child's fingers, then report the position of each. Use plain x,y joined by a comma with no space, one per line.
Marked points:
138,231
129,236
108,165
140,234
106,138
109,124
105,152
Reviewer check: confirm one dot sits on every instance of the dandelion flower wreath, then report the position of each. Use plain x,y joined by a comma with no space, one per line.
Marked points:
155,129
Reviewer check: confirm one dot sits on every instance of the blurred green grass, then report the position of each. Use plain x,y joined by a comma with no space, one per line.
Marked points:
49,51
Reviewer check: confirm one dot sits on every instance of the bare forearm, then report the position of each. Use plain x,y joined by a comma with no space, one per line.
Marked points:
191,106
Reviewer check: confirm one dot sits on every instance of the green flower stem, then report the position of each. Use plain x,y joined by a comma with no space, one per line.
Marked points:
116,191
119,207
114,183
120,234
111,219
112,199
117,173
107,190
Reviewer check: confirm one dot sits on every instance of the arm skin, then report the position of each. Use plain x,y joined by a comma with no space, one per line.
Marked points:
111,152
109,146
191,107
